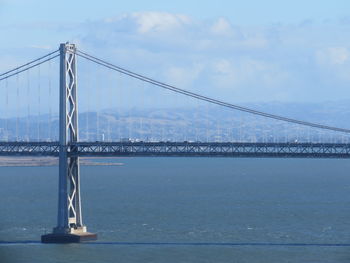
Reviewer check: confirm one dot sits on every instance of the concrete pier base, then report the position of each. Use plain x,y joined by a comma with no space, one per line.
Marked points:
68,238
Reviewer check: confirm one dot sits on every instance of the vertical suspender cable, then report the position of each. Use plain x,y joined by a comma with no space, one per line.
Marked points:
207,117
217,128
142,109
232,127
119,106
186,113
197,118
88,85
97,89
109,108
2,119
128,95
50,107
39,103
184,129
28,106
241,127
153,107
162,121
7,110
150,119
17,105
298,133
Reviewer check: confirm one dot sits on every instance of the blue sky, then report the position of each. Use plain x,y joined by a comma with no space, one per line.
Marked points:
249,12
240,51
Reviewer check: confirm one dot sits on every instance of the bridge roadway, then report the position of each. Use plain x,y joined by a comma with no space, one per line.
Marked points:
180,149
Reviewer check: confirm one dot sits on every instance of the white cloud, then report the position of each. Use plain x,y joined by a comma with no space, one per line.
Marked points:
155,21
223,66
151,22
183,76
248,72
333,56
243,63
222,27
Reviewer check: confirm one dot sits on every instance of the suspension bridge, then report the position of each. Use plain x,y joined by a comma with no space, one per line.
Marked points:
123,113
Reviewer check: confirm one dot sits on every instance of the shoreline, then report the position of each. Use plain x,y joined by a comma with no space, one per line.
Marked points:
51,161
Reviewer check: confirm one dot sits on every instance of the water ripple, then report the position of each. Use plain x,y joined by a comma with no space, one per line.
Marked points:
232,244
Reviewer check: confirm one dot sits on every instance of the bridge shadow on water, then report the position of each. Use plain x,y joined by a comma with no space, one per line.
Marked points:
207,244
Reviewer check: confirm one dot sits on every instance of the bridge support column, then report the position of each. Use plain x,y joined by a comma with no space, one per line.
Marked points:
70,227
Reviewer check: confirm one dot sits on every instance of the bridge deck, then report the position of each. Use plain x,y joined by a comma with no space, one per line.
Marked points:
180,149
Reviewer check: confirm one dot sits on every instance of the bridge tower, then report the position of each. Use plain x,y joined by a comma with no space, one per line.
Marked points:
70,227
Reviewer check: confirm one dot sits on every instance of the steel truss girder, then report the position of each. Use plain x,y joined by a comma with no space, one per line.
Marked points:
197,149
29,148
213,149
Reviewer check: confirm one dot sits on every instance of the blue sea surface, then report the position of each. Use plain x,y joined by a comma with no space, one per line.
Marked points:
185,210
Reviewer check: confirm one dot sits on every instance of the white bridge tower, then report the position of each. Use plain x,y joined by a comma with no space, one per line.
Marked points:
70,227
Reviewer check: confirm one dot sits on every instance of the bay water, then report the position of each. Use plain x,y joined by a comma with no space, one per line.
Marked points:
185,210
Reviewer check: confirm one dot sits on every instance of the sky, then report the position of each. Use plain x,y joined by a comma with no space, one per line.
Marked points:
239,51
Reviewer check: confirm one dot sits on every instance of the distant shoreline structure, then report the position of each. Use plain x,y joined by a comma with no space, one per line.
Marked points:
16,161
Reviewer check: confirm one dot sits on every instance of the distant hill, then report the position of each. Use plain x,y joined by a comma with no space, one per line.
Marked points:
198,123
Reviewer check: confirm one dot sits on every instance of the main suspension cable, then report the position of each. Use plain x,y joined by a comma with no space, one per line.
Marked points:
31,62
27,68
204,98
